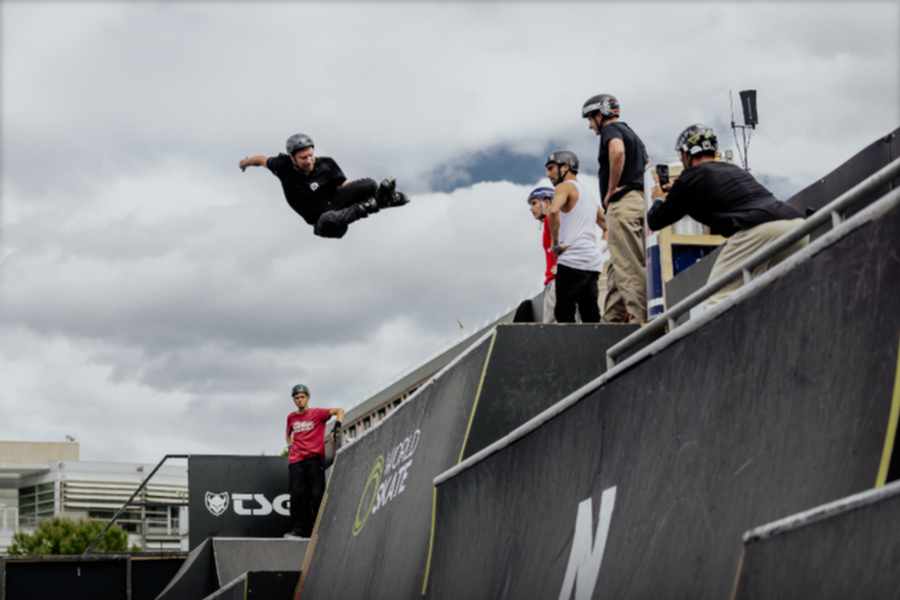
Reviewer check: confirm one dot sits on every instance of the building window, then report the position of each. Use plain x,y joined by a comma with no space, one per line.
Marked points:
36,502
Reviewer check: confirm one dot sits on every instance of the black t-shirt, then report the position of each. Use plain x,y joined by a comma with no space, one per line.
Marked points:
309,195
721,195
635,159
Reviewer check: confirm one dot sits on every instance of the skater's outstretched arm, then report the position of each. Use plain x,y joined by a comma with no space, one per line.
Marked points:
257,160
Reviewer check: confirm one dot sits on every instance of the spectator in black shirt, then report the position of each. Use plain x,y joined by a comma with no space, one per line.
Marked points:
622,159
727,199
317,189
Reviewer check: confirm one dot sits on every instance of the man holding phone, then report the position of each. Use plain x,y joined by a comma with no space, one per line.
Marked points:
306,459
727,199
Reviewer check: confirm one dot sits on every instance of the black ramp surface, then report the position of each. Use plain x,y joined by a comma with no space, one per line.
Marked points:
235,556
375,525
196,578
90,579
779,404
847,550
258,585
150,575
233,590
271,585
532,367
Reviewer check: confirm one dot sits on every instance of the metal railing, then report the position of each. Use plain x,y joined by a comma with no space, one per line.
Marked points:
830,213
877,209
127,503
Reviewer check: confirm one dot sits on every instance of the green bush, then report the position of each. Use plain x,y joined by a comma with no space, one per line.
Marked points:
66,536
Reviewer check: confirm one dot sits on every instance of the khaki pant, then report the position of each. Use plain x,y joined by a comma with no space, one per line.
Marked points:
627,277
744,243
603,288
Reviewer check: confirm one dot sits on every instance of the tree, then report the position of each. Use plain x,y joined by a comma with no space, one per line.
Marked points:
66,536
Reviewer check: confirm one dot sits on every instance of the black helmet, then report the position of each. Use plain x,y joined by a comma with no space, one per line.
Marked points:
299,389
697,139
605,104
298,141
541,193
563,157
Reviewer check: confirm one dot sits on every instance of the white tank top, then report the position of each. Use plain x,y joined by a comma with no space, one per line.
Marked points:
578,231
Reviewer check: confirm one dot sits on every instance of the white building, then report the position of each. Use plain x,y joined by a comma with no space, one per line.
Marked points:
43,480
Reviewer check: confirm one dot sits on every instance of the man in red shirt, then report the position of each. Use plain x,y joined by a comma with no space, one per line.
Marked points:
306,459
539,202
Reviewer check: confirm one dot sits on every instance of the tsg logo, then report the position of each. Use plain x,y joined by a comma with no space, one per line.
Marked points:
217,504
247,505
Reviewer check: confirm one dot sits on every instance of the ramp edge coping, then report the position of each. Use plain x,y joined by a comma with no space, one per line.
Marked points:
823,512
875,210
428,383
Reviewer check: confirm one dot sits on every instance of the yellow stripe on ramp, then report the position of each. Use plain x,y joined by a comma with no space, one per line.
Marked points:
891,434
487,361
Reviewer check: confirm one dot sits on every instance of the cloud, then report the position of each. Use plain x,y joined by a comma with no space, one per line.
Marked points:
145,281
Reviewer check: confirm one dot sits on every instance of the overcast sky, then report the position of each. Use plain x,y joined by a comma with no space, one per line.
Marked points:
154,299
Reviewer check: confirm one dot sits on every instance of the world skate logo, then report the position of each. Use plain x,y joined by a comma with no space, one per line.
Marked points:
387,479
216,504
314,185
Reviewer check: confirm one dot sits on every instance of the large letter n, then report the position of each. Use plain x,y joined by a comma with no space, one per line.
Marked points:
586,557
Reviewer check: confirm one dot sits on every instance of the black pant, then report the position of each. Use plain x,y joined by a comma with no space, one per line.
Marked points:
345,208
576,287
307,484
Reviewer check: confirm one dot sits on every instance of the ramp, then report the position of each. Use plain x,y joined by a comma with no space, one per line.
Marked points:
375,525
216,562
259,585
845,549
236,556
644,485
533,366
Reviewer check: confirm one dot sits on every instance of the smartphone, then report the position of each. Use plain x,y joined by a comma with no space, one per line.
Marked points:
662,173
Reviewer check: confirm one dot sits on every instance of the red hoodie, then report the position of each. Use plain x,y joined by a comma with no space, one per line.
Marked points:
549,275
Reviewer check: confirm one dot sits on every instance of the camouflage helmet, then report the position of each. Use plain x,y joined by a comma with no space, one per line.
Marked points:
697,139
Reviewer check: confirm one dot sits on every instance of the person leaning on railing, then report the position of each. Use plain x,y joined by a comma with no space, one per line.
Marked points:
727,199
305,436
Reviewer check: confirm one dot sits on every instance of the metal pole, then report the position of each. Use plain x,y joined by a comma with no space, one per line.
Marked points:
127,502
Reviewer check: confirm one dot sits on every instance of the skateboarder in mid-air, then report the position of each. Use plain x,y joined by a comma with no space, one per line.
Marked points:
317,189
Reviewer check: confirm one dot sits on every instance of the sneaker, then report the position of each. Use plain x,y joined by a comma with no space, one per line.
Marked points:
370,206
399,199
385,193
293,535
